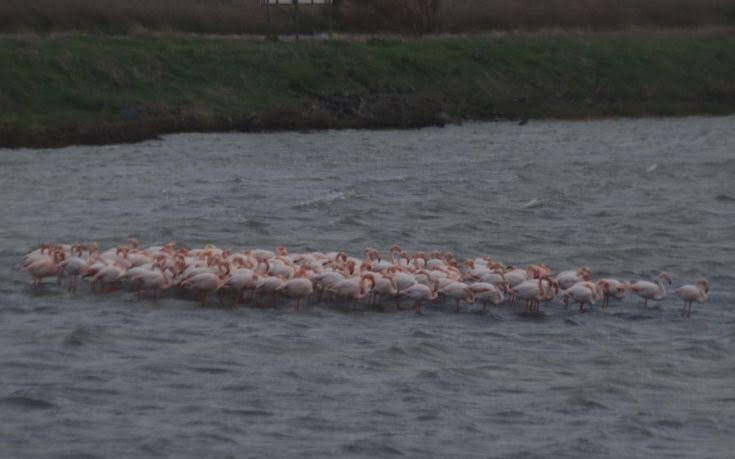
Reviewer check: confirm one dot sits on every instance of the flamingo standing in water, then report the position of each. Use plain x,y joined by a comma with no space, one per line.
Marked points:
533,291
486,293
241,279
75,267
108,276
353,288
154,279
384,286
649,290
46,266
402,281
268,285
419,292
203,284
584,292
299,287
691,293
460,292
567,279
611,288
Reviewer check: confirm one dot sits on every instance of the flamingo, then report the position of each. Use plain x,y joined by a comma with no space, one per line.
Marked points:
108,276
532,291
567,279
486,293
584,292
403,280
459,291
352,288
612,288
42,253
419,292
649,290
203,284
299,287
384,286
691,293
46,267
156,280
268,285
75,267
241,279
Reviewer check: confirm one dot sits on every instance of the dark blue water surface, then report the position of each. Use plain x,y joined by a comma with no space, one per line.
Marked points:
88,375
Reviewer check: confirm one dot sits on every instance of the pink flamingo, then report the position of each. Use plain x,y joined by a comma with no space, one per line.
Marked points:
419,292
486,293
459,291
584,292
203,284
691,293
299,287
649,290
612,288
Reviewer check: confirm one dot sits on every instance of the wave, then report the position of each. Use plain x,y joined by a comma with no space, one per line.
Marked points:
325,199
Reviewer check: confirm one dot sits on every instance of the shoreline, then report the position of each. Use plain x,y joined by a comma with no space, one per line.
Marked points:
98,89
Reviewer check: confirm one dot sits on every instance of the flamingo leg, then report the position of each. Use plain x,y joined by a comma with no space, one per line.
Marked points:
456,307
689,310
296,307
581,307
418,307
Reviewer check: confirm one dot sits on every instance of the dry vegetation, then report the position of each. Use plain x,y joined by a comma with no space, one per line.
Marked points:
405,16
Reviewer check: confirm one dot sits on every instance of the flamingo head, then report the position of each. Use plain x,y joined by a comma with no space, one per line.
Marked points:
367,278
554,283
59,256
703,284
665,277
584,273
133,242
533,272
281,251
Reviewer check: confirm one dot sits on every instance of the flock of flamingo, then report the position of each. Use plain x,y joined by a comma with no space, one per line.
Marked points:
335,276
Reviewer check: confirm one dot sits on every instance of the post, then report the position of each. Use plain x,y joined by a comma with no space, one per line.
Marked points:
298,17
269,27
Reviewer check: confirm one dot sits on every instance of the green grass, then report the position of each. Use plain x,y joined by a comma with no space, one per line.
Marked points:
100,89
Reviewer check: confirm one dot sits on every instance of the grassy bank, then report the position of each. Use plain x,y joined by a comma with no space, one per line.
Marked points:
103,89
358,16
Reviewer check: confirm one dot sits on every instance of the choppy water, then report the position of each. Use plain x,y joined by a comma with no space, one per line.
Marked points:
110,376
